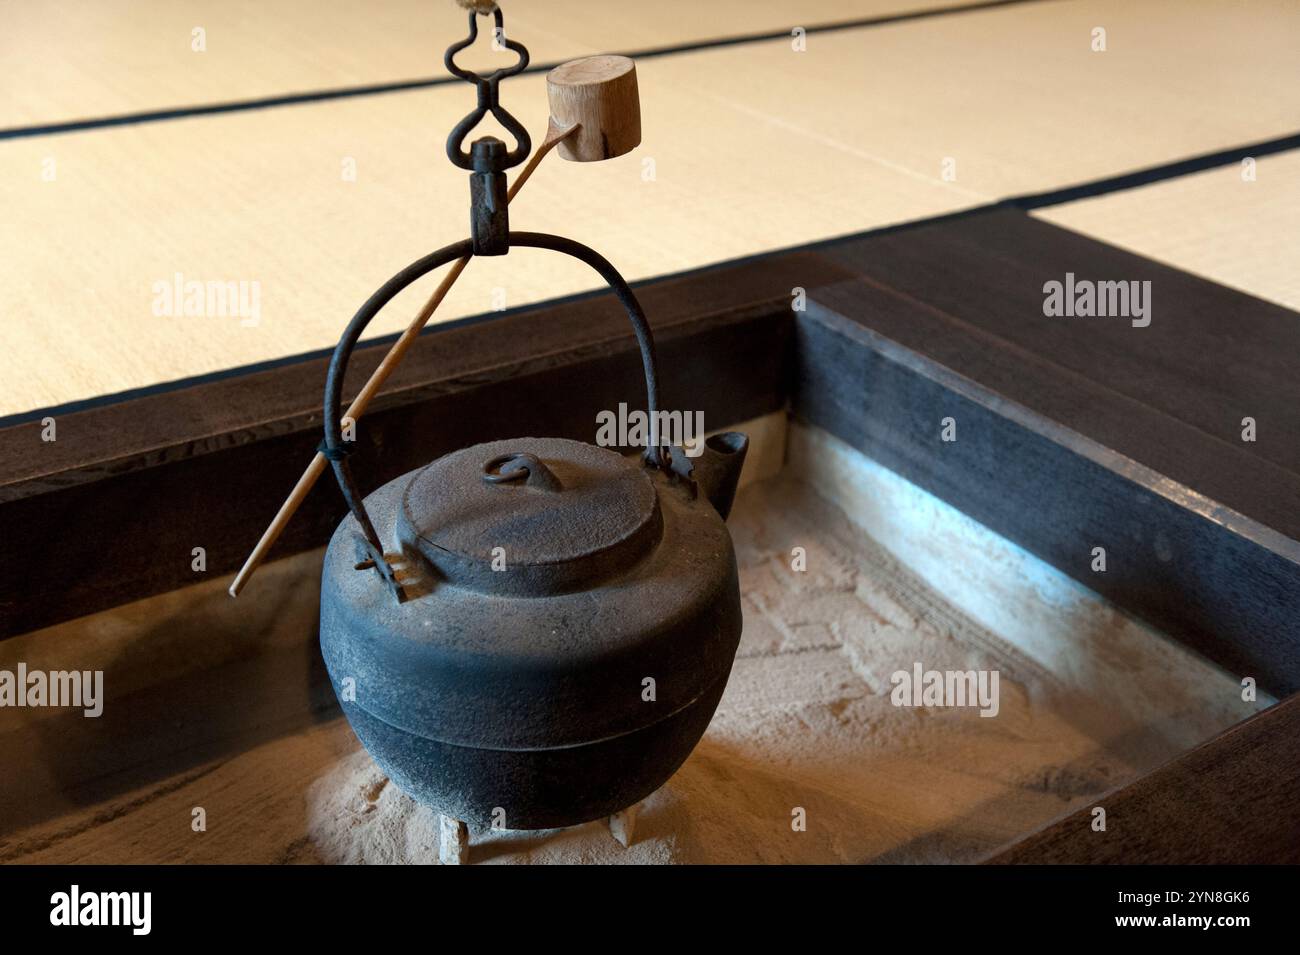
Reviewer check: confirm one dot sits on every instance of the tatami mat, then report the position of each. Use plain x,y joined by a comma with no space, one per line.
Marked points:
747,149
1238,232
74,59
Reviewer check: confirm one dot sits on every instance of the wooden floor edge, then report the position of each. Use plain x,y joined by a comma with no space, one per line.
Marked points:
1234,799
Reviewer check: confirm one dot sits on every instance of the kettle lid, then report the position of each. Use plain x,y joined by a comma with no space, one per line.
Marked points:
530,516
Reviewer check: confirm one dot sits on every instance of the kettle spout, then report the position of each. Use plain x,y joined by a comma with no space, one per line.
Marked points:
717,470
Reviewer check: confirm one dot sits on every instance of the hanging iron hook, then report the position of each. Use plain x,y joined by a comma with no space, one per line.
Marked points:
487,97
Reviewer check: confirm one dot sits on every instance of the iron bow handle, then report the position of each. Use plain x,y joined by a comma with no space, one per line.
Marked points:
338,451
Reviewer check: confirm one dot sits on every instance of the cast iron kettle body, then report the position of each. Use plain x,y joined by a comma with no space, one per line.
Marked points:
537,627
524,690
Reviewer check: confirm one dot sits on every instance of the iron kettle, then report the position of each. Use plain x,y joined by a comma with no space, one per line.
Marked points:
533,633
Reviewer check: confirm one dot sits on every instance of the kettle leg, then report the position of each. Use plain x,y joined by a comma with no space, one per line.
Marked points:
453,841
623,823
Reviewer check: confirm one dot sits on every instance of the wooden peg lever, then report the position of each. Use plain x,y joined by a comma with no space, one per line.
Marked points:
599,95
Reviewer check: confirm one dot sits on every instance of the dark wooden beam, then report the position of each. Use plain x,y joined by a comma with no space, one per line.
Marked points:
1178,388
111,511
1076,433
1232,801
